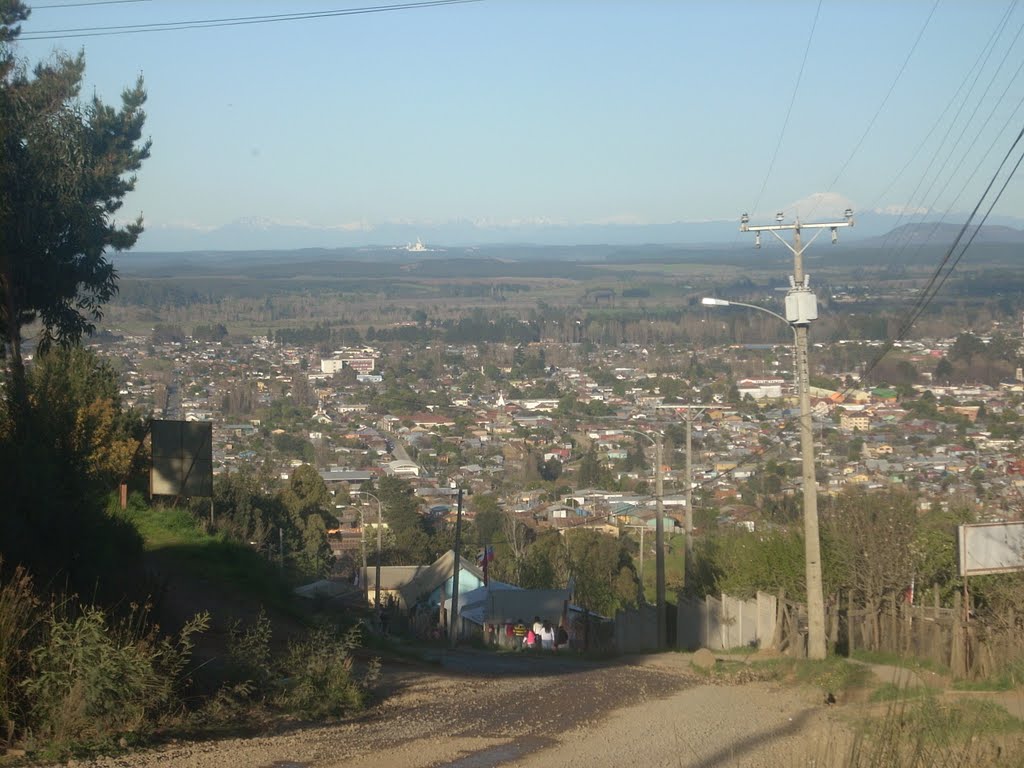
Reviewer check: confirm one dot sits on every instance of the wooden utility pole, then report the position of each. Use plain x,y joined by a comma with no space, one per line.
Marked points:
453,636
642,528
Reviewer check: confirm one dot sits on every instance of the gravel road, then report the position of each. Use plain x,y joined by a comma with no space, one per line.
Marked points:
477,710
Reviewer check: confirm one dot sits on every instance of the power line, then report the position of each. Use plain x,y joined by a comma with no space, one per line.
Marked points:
881,106
175,26
922,202
948,263
80,5
918,206
789,111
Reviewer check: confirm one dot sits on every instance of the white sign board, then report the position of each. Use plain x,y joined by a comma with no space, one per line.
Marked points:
991,548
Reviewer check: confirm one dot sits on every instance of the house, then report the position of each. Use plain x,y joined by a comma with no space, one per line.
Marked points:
855,420
424,586
402,468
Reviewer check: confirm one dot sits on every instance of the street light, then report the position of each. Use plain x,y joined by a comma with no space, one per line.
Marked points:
801,308
659,533
380,522
708,301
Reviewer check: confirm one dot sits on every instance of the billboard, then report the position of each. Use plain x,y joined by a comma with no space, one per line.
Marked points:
182,458
990,548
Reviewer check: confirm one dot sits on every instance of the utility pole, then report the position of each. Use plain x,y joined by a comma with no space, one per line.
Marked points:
362,551
659,543
453,636
659,534
692,412
380,544
801,309
642,528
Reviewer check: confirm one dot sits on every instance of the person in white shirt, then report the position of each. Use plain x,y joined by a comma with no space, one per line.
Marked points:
538,627
547,636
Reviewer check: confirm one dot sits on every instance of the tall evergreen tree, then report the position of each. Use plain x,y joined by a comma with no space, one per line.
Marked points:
65,167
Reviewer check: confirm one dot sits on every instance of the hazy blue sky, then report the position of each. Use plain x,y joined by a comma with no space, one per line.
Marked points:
507,111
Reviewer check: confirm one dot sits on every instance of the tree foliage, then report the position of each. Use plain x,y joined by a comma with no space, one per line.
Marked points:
597,566
873,534
65,167
82,445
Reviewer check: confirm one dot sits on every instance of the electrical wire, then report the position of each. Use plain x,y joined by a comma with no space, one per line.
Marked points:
921,204
881,106
978,65
927,201
175,26
83,4
948,263
789,110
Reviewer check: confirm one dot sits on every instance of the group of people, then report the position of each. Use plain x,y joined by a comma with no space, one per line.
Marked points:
541,635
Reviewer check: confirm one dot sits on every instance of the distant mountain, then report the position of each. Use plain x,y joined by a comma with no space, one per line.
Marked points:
935,233
255,235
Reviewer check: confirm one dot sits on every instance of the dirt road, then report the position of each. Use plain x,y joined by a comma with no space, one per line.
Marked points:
482,710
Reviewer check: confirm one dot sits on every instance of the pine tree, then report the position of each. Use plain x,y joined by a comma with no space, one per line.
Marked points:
65,167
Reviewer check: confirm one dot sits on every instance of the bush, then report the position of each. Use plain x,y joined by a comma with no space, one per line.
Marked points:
320,681
314,679
93,680
18,607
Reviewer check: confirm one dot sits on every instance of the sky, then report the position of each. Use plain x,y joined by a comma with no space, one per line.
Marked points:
519,115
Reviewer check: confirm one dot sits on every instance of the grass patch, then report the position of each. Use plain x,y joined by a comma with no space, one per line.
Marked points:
162,527
896,660
1007,680
175,534
833,675
893,692
922,730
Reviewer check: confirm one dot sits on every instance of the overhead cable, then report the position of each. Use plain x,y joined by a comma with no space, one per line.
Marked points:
175,26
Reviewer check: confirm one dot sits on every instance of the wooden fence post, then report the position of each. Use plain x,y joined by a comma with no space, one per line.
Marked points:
956,651
850,629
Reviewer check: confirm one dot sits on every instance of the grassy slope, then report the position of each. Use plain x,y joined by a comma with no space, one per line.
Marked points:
203,572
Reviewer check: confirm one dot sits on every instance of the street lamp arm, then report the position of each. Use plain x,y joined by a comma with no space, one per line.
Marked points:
712,302
642,434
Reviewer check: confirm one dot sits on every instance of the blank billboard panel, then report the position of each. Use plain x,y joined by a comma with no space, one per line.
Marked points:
182,458
991,548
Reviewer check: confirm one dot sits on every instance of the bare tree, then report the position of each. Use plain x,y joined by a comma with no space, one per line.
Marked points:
873,535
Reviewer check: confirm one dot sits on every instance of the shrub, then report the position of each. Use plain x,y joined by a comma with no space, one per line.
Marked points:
249,659
18,607
93,680
320,680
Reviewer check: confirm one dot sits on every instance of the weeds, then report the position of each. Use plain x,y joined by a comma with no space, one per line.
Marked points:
833,675
18,606
920,730
93,679
316,677
899,660
249,657
1007,680
893,692
321,681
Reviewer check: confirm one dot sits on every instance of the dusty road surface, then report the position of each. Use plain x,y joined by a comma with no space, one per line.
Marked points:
480,710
